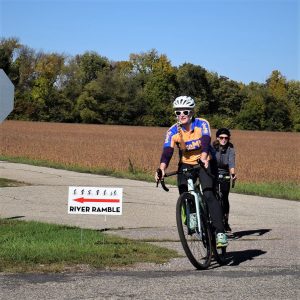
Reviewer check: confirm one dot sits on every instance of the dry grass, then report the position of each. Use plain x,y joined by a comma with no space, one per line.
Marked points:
261,156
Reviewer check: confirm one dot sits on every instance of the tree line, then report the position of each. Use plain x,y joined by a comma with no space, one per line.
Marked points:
89,88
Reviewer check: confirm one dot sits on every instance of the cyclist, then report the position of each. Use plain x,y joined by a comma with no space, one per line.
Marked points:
192,136
225,157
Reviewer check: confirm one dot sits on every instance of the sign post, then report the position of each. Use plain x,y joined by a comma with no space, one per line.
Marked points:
6,96
95,200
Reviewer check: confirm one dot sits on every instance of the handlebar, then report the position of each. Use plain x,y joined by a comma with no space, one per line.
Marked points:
184,171
222,178
199,166
187,170
171,173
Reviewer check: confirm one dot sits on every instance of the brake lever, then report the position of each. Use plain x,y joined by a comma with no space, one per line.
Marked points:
159,173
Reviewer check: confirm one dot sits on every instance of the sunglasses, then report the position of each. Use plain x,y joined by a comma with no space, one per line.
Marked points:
223,137
185,112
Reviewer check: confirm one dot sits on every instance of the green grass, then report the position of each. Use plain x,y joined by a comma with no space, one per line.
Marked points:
287,190
130,174
40,247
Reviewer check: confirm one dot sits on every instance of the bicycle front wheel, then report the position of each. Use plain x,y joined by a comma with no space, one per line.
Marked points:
197,246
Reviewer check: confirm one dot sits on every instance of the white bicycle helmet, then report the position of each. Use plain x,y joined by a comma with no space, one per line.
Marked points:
184,102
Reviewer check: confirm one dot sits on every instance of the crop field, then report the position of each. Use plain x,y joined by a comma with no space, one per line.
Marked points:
261,156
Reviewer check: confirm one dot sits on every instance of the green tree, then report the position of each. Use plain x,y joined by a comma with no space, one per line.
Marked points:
293,98
25,64
252,115
229,97
127,94
8,48
70,81
50,104
24,75
144,62
86,108
263,111
278,110
158,92
90,63
277,85
192,81
88,88
211,105
277,114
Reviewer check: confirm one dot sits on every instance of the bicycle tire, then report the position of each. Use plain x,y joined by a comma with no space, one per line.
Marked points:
197,249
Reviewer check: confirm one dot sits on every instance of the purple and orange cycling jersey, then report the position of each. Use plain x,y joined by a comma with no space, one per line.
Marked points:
191,143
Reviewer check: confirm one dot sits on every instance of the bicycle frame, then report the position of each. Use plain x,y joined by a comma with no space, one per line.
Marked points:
191,190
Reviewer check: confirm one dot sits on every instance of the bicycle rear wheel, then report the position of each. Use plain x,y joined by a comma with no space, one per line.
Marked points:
198,248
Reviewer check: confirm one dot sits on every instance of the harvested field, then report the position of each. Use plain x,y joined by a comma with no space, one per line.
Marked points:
261,156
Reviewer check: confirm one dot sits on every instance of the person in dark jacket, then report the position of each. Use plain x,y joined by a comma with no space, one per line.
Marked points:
225,157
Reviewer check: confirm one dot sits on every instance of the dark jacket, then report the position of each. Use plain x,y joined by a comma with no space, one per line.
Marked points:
225,156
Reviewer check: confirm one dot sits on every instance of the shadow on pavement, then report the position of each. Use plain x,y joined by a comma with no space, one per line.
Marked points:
237,257
15,217
256,232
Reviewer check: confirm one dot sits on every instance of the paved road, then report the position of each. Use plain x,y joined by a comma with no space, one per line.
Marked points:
264,256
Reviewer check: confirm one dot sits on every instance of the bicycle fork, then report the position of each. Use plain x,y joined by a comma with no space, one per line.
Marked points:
191,190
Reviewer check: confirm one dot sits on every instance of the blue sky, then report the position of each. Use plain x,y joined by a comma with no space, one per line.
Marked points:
244,40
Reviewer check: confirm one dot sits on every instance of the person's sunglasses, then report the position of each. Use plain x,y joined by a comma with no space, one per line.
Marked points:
223,137
179,112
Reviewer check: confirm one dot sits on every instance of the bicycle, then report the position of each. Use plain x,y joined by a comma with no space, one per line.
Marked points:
194,224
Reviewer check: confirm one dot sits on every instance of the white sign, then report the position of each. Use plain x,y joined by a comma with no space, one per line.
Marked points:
6,96
95,200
